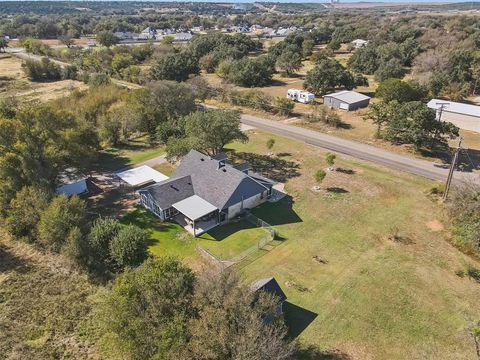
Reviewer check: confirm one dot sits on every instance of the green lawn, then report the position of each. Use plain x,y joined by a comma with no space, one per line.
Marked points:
135,152
230,240
168,239
373,298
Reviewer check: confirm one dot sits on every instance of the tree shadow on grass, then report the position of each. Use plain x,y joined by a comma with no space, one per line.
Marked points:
272,167
297,318
313,353
337,190
278,213
11,262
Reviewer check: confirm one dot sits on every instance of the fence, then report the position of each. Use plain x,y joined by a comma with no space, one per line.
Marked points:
270,234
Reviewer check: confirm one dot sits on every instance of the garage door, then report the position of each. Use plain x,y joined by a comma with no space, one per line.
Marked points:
344,106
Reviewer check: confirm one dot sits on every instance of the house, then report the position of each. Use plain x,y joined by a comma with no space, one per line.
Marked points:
359,43
300,96
148,33
183,36
346,100
71,183
465,116
206,191
270,286
124,35
141,176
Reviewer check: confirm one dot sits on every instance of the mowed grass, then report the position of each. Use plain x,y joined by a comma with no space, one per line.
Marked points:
168,239
373,297
229,240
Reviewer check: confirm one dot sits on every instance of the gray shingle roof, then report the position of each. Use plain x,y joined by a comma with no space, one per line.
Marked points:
220,186
170,191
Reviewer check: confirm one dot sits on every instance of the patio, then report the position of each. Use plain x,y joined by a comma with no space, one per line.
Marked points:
196,215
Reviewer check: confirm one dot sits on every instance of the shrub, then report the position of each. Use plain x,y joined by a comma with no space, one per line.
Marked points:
62,216
324,115
270,143
101,235
330,159
284,106
129,247
43,70
320,175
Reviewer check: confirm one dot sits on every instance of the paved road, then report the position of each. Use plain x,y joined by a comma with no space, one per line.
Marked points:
358,150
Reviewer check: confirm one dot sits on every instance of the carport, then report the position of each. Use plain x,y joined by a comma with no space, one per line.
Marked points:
141,176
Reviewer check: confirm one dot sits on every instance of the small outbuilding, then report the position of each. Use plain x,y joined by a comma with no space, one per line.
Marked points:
359,43
271,286
346,100
465,116
72,184
141,176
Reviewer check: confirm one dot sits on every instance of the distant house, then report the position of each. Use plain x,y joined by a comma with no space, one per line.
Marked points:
183,36
270,286
465,116
346,100
125,35
359,43
206,191
148,33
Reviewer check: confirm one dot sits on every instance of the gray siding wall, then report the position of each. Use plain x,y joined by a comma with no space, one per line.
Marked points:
335,103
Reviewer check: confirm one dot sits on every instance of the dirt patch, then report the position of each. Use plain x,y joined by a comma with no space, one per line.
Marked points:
435,226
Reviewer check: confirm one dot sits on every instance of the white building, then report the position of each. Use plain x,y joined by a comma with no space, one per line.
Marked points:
465,116
300,96
359,43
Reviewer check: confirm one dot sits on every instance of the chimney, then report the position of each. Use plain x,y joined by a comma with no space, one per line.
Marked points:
221,164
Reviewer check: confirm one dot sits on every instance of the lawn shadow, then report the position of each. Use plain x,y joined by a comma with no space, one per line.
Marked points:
312,352
272,167
345,171
11,262
278,213
297,318
222,232
337,190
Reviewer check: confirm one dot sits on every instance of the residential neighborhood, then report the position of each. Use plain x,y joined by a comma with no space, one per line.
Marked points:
259,181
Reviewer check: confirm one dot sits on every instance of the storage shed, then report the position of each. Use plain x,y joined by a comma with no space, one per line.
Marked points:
346,100
465,116
72,184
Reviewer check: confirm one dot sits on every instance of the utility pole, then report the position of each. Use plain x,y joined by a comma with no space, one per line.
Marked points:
452,170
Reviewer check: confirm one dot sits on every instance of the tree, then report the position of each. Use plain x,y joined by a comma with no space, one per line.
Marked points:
307,47
237,318
42,70
145,314
177,66
270,143
247,72
3,43
327,75
67,40
129,247
330,159
283,106
320,175
121,61
102,232
401,91
62,216
24,212
390,69
107,38
289,62
334,45
381,113
163,102
414,123
208,132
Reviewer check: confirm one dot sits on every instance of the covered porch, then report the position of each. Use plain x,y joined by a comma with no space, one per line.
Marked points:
196,215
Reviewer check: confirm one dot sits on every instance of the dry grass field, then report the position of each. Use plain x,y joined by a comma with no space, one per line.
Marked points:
14,83
387,285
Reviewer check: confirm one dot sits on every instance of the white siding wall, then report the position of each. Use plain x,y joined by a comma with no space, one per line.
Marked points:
466,122
249,203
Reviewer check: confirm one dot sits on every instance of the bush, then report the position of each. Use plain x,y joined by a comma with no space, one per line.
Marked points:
324,115
43,70
330,159
320,175
101,235
284,106
61,217
270,143
129,247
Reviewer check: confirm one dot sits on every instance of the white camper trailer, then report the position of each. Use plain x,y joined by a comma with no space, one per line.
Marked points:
300,96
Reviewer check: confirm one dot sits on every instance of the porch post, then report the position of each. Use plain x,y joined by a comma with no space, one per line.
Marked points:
194,234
